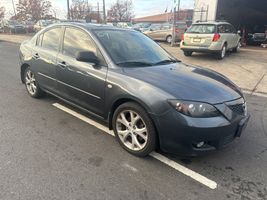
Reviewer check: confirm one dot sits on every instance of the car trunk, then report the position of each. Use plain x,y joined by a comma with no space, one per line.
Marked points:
193,39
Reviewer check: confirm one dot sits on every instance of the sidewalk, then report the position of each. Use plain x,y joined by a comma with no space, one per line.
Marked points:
14,38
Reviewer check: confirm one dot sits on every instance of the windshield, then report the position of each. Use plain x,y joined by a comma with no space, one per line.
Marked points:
131,48
202,29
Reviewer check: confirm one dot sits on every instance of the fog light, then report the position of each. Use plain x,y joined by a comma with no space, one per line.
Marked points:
200,144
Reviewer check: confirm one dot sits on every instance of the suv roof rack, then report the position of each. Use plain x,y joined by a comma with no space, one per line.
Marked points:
199,21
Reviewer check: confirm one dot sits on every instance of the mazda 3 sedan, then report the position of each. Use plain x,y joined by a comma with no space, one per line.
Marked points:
150,99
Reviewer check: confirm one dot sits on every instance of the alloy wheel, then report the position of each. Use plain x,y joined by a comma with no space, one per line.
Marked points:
169,39
30,82
132,130
223,52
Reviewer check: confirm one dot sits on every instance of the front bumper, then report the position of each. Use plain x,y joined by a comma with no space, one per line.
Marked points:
180,134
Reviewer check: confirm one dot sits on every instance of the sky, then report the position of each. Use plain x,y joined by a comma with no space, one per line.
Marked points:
141,7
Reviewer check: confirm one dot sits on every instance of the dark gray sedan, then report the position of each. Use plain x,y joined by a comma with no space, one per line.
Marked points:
150,99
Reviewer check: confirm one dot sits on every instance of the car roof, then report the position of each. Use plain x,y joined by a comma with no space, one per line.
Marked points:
89,26
211,22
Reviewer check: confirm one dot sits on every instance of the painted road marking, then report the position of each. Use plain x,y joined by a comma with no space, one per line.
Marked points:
186,171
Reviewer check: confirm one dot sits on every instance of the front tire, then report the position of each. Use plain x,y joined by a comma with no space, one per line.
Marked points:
134,129
31,84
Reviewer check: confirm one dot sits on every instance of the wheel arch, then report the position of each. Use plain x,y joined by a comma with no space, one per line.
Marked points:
169,35
22,71
123,100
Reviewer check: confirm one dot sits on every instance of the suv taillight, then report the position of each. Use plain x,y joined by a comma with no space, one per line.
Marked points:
177,30
216,37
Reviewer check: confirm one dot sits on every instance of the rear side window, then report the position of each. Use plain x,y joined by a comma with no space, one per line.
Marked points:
155,27
202,29
51,39
76,40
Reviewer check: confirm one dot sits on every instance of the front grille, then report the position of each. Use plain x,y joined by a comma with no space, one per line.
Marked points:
239,109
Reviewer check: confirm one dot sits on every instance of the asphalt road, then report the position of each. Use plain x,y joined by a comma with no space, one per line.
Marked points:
46,153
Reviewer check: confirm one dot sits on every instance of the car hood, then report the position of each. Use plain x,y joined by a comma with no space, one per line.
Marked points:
188,83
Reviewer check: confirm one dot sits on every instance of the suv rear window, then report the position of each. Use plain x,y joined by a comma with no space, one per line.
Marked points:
202,29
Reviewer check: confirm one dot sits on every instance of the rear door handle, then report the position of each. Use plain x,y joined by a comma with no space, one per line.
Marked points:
62,64
36,56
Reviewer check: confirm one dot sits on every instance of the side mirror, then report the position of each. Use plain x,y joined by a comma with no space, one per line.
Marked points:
87,56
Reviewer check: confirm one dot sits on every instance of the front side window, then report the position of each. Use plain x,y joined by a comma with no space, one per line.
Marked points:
51,39
75,41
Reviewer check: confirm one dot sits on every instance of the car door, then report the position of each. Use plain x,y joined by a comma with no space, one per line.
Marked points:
45,57
153,31
230,36
236,36
164,31
81,82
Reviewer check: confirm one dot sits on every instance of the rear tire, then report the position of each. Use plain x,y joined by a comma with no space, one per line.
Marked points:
221,55
31,84
188,53
169,39
134,129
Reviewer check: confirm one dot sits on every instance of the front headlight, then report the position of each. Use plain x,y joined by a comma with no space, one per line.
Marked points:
194,109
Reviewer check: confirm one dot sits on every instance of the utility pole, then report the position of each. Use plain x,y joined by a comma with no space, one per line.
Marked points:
14,8
68,5
104,11
174,20
98,13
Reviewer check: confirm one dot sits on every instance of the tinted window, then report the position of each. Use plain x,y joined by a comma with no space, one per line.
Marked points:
202,28
155,27
51,39
75,41
128,48
221,29
228,28
166,27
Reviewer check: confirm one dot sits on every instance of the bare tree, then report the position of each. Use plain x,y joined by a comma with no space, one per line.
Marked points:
2,12
80,9
33,9
121,11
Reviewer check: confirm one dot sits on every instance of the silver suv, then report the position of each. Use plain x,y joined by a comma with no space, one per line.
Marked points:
212,37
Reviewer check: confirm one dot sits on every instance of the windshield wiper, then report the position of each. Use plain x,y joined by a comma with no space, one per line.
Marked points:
167,61
135,63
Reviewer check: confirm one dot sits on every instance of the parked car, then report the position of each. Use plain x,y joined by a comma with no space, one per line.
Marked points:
141,26
124,25
13,26
29,26
150,99
256,38
212,37
164,32
42,24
